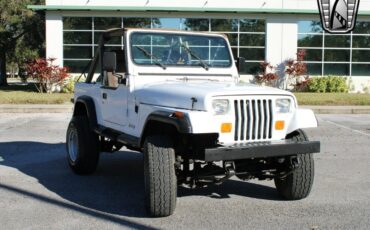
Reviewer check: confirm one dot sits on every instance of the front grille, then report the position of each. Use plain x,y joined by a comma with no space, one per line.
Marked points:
253,120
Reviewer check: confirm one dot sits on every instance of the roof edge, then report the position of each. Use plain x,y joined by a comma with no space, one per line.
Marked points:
177,9
169,9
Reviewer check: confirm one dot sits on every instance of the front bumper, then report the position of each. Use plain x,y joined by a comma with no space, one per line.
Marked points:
261,150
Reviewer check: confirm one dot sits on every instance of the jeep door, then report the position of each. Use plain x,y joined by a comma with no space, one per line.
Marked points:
114,92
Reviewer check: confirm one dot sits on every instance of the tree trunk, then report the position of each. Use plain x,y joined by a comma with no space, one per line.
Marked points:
3,80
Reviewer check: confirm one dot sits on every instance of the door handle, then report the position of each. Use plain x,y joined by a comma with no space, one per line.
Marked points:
104,95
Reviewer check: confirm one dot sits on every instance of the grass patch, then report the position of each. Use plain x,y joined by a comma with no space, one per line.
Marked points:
27,94
332,99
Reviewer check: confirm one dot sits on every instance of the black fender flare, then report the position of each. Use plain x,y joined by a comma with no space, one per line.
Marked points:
182,124
89,105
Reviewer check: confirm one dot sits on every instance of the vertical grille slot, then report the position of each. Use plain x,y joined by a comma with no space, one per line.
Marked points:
236,137
242,122
247,105
260,119
270,112
253,119
265,127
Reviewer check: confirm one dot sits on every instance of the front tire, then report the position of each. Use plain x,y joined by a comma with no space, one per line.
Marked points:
298,184
82,146
159,175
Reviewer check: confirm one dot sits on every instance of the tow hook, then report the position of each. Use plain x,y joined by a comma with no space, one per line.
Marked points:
229,167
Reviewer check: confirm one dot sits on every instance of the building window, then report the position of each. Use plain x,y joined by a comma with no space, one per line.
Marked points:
81,36
335,54
247,39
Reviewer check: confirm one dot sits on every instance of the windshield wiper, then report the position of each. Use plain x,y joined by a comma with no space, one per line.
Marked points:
189,51
156,59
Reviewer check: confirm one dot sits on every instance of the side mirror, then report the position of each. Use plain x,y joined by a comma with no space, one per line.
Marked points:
109,61
239,63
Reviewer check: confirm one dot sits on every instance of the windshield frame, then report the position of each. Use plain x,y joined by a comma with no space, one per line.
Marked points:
180,34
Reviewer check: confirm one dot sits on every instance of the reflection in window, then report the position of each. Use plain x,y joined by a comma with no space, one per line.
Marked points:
138,22
308,40
76,66
107,23
361,56
336,69
362,28
252,54
233,39
77,23
339,57
360,41
313,55
314,68
226,25
252,25
252,40
309,27
77,38
113,41
342,41
360,69
194,24
168,23
76,52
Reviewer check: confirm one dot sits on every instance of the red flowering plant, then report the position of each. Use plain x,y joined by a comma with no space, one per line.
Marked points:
266,75
297,72
47,74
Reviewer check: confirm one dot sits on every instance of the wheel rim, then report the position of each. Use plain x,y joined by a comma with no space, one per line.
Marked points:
73,145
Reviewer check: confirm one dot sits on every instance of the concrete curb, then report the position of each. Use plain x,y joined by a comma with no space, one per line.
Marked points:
338,109
67,108
36,108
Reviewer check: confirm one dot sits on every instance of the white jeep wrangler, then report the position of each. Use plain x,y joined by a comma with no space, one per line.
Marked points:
175,96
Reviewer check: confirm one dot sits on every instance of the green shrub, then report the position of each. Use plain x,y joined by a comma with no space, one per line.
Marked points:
69,85
317,85
328,84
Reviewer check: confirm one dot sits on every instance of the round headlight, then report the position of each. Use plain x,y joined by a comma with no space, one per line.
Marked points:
220,106
283,105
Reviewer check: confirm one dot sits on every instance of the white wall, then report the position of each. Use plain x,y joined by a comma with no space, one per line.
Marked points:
54,36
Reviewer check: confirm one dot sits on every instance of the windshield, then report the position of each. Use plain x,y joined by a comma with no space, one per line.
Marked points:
164,49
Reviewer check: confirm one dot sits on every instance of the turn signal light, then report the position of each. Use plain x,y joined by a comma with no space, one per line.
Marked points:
226,127
279,125
178,114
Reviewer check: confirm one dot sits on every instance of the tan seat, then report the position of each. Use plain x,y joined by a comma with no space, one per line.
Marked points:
112,80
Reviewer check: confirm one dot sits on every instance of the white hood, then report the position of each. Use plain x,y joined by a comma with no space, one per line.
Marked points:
179,94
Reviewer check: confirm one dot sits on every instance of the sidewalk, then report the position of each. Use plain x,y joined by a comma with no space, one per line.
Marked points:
68,108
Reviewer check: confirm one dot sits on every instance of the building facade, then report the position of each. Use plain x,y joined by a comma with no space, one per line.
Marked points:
258,30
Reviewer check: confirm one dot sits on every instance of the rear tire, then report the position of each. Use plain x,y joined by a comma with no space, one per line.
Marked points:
159,175
298,184
82,146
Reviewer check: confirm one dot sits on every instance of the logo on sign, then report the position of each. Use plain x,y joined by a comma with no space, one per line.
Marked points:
338,16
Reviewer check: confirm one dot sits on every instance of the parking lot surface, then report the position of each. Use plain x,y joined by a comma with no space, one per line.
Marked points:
38,190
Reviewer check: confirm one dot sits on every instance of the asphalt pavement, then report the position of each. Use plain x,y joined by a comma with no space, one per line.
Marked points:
38,190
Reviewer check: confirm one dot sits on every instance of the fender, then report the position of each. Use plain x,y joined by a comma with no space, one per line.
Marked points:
89,105
302,118
182,124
